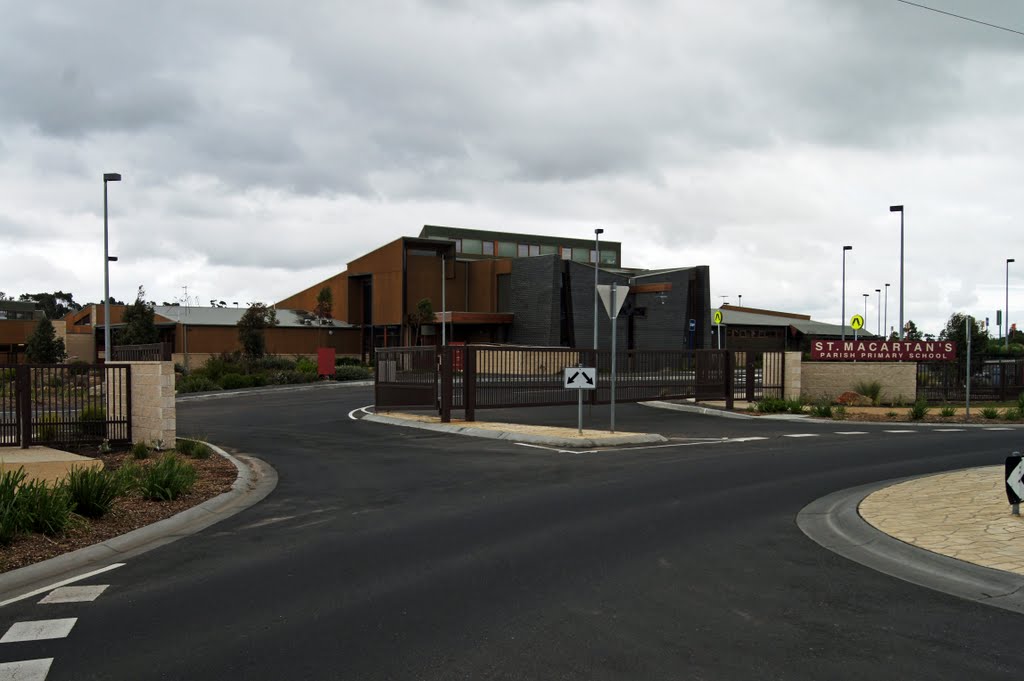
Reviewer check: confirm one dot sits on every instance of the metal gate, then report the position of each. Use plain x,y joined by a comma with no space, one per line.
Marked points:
65,405
406,377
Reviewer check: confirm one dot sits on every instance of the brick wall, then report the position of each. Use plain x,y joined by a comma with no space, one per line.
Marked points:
535,288
828,380
153,411
792,376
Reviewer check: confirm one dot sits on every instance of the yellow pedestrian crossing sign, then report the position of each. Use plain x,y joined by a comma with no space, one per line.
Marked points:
718,317
857,322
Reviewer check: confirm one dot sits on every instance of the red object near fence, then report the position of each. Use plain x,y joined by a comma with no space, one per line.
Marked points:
325,361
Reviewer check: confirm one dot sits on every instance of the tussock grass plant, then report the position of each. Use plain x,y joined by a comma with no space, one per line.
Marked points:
795,406
990,413
947,411
822,409
772,405
870,389
839,412
46,508
347,372
918,410
93,490
140,450
1013,414
92,422
891,414
167,479
12,521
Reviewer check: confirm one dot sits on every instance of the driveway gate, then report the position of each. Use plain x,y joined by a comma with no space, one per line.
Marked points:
406,377
64,405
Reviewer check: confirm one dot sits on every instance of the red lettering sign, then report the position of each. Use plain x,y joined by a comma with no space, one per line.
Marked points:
882,351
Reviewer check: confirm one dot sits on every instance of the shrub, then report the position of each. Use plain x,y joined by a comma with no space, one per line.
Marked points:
46,509
822,409
918,410
54,380
140,450
127,477
870,389
185,447
167,479
274,363
348,362
194,448
891,414
93,490
839,412
1020,402
348,372
194,383
225,363
236,381
1013,414
92,422
947,411
795,406
7,374
289,377
990,413
305,365
12,514
772,405
79,368
47,430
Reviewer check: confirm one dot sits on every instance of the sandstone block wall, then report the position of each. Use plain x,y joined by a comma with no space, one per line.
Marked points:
153,411
828,380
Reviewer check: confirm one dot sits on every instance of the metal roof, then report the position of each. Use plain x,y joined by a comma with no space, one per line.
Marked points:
805,326
230,316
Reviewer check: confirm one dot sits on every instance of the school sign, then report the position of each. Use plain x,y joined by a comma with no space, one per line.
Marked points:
882,351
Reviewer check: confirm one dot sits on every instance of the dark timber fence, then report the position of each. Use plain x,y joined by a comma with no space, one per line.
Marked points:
150,352
64,405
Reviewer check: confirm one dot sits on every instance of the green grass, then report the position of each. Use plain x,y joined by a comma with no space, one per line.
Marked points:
93,490
167,479
46,508
12,520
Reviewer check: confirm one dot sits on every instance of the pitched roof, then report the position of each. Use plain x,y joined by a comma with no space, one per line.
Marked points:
230,316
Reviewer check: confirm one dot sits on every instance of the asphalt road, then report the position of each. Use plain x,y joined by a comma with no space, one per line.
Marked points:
393,553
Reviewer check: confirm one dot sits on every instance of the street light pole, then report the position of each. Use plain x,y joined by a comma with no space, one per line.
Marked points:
899,209
878,310
597,261
740,296
885,320
1006,308
107,177
842,319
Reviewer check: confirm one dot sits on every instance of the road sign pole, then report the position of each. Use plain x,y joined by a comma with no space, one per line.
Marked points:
579,408
615,291
967,332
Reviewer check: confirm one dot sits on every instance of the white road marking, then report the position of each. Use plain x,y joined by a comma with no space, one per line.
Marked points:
64,582
268,521
26,670
900,431
949,430
365,410
851,432
75,594
747,439
999,429
800,435
38,630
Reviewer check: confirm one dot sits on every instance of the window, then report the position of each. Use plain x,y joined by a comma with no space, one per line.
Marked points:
593,255
566,253
523,250
458,245
608,258
488,248
580,254
472,246
534,249
548,250
506,249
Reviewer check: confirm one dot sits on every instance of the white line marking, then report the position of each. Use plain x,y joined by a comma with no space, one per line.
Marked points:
747,439
900,431
527,444
949,430
365,410
801,435
268,521
75,594
53,586
851,432
26,670
999,429
38,630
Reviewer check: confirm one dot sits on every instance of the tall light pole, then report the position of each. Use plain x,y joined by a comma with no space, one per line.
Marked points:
107,177
865,307
885,320
740,296
842,319
597,261
878,310
899,209
1006,308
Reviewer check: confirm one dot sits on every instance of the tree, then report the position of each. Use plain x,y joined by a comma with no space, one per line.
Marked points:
424,314
43,346
911,331
956,331
140,324
251,326
55,305
324,303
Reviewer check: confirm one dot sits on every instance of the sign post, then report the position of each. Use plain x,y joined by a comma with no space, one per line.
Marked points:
717,319
579,378
1014,483
857,322
610,296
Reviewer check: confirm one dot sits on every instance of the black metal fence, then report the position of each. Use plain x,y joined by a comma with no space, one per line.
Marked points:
991,380
406,377
64,405
149,352
758,375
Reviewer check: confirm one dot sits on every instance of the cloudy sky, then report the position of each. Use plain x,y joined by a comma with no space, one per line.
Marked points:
265,144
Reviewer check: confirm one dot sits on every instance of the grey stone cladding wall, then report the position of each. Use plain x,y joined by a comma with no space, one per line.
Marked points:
536,286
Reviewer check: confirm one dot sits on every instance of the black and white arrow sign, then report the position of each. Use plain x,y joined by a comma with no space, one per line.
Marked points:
579,378
1014,475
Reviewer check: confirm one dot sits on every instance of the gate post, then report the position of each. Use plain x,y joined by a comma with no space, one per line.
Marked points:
728,361
446,384
23,410
749,383
469,382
